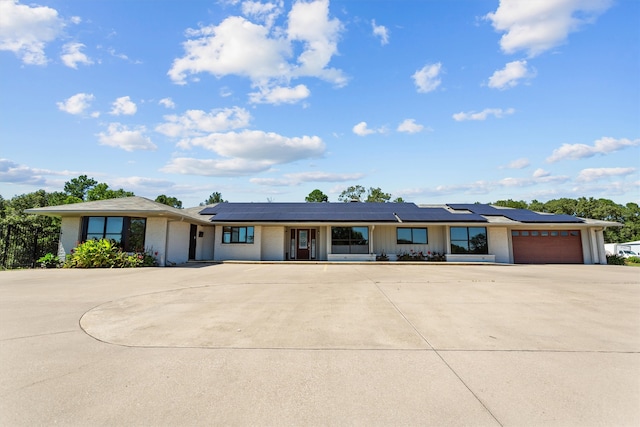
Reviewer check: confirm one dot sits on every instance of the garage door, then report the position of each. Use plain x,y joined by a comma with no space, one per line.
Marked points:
547,247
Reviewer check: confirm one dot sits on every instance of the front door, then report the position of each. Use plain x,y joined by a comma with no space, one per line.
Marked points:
192,241
303,243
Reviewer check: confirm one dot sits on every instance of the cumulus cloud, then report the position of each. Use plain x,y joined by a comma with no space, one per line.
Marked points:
167,103
256,145
518,164
510,75
72,55
280,95
14,173
537,26
263,12
362,129
198,123
263,54
120,136
594,174
410,126
26,30
380,31
215,167
302,177
541,173
484,114
76,104
603,145
123,106
427,79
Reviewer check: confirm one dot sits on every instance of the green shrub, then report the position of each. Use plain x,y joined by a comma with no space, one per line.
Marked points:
615,260
633,260
49,261
105,253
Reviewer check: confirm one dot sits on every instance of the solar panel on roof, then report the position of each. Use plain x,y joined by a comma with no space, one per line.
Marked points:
520,215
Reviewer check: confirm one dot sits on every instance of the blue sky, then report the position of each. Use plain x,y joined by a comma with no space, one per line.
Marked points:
432,101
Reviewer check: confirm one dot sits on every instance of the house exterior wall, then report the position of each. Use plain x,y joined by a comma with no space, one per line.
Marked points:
204,244
272,243
178,236
238,251
70,232
155,238
499,240
385,239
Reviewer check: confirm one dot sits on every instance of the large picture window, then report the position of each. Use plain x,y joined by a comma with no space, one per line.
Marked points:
350,240
127,232
411,236
469,240
237,234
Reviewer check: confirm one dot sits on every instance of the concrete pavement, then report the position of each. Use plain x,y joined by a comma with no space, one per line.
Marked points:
321,344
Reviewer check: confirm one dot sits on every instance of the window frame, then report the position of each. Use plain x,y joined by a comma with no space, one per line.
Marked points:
351,239
126,235
466,248
238,234
412,241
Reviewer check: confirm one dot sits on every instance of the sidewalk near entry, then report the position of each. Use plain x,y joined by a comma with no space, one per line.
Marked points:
321,344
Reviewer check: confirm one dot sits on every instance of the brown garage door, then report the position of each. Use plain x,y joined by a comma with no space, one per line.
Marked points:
547,247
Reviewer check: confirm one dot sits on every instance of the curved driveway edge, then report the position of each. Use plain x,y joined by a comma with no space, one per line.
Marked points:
325,344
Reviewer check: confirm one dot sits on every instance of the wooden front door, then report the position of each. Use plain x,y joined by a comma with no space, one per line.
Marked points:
304,242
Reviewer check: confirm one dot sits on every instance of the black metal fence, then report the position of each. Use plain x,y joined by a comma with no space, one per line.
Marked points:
22,245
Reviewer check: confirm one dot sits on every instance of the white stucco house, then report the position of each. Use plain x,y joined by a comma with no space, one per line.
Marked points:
332,231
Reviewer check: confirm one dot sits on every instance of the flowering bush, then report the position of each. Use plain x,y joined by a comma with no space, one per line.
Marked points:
105,253
421,256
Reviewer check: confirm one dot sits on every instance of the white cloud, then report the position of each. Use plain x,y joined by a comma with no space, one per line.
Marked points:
215,167
238,46
541,173
26,30
483,115
72,56
255,145
410,126
603,145
167,103
362,129
380,31
120,136
537,26
510,75
280,95
199,123
14,173
427,79
299,178
518,164
594,174
263,12
123,105
76,104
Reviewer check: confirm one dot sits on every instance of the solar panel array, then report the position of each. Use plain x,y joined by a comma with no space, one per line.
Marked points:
333,212
520,215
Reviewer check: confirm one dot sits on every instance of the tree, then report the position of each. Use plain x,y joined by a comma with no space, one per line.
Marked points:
103,192
398,200
169,201
352,193
376,195
213,199
78,187
519,204
316,196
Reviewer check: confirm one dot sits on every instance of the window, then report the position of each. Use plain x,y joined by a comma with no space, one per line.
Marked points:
469,240
408,236
128,233
350,240
237,234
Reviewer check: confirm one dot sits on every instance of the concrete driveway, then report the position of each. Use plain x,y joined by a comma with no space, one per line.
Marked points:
321,344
